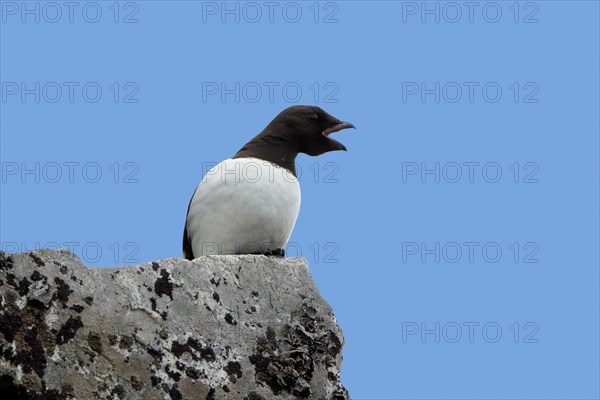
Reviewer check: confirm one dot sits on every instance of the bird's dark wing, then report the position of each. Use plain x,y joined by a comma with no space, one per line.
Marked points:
188,254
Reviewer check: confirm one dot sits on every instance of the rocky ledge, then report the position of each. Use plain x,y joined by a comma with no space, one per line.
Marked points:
219,327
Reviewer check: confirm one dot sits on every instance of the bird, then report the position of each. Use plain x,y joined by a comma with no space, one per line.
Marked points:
249,203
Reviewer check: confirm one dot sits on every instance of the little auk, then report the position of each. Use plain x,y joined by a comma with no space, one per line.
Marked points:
248,204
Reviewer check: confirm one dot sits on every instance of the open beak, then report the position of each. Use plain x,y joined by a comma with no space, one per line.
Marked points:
338,127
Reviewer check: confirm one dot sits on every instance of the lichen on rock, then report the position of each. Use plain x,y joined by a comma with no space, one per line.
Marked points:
219,327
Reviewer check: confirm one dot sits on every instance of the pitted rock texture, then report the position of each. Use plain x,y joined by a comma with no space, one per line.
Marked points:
219,327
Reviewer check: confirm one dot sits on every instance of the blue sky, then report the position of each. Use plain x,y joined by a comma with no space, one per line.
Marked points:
456,240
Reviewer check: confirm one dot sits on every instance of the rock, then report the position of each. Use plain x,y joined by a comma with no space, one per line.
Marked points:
219,327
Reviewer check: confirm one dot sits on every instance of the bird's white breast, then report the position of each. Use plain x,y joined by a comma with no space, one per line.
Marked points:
243,205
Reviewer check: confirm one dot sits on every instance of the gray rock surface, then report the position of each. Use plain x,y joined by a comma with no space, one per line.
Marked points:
219,327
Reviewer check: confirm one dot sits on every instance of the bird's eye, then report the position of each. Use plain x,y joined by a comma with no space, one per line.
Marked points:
314,117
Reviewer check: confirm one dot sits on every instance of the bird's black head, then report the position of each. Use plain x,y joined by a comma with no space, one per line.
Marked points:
308,127
297,129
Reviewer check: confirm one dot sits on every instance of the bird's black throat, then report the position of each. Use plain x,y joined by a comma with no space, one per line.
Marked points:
276,149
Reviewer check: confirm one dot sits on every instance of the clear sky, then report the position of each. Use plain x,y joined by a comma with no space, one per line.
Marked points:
456,240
